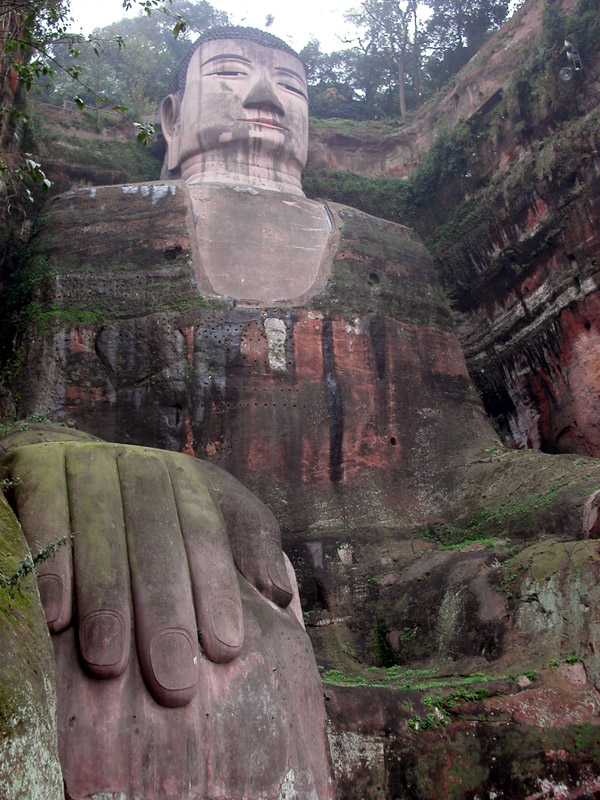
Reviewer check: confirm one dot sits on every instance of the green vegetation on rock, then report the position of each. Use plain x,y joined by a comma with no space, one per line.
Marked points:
29,766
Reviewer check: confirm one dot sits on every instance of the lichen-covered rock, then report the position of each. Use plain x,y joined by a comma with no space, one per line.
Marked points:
29,766
495,693
556,591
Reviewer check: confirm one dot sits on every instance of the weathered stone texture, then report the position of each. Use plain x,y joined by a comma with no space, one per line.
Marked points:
524,725
353,417
528,317
234,739
334,412
29,766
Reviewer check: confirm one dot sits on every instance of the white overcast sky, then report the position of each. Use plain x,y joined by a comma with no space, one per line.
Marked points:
295,21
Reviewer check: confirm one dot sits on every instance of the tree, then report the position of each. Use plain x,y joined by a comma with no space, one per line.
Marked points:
457,29
130,61
387,27
26,27
356,83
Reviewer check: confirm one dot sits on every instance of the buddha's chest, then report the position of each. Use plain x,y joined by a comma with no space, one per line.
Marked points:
260,247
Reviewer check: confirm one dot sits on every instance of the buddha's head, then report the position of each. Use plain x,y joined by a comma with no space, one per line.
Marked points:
238,112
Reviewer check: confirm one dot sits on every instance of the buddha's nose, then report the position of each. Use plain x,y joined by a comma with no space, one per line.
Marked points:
262,95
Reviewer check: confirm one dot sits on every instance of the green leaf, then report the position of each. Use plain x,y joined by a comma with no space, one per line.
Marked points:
146,133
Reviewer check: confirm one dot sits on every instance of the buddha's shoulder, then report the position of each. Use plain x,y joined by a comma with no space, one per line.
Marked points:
133,223
165,199
126,243
352,220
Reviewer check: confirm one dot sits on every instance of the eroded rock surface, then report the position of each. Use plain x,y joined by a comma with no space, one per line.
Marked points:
334,409
502,697
29,765
352,415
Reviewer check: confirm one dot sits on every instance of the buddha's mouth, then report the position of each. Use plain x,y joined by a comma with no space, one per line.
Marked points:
266,122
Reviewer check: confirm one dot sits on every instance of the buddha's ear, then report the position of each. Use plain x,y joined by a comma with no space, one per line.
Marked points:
169,117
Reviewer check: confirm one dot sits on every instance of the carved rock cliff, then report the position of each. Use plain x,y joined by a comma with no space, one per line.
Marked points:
450,598
511,215
415,535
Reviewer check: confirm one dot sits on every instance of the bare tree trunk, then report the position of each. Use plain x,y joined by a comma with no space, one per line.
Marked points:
416,53
400,60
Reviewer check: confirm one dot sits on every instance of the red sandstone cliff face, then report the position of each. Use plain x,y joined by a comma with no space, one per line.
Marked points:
518,248
335,412
530,333
525,289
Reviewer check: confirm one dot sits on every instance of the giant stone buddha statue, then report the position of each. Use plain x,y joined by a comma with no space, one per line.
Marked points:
183,669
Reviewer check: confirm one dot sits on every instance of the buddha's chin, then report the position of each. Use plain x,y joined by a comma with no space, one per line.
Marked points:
255,162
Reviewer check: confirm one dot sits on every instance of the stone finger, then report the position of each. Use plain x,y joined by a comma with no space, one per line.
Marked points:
42,507
100,559
165,624
254,536
214,581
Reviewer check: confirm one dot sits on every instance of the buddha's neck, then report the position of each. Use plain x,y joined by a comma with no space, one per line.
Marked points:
199,170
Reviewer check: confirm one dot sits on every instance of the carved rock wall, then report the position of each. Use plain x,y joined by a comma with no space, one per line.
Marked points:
334,413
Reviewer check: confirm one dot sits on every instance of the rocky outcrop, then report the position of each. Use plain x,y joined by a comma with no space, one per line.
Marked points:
509,207
457,728
29,765
476,89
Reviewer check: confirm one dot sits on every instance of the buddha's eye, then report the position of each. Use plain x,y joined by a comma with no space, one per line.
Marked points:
226,71
293,89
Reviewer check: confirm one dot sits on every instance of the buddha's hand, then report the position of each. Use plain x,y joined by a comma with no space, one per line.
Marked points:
142,535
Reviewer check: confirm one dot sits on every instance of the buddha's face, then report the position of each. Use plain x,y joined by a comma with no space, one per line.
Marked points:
244,107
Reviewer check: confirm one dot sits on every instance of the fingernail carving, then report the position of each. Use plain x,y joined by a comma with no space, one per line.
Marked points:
276,567
172,659
52,596
226,621
102,638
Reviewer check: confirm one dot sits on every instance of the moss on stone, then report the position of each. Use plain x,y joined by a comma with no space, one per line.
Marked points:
29,764
384,269
481,759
